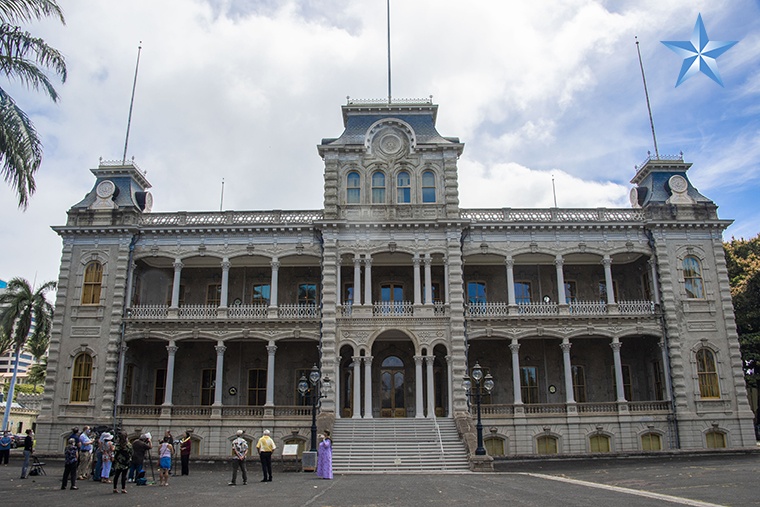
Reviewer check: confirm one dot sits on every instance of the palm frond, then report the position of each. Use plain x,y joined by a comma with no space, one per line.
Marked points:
17,11
22,55
20,149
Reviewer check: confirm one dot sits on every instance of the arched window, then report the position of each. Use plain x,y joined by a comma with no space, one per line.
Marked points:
692,278
93,281
651,442
546,444
428,186
715,440
81,378
378,187
404,187
707,373
599,443
494,446
353,188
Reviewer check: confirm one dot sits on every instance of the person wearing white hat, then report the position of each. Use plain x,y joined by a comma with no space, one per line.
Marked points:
107,449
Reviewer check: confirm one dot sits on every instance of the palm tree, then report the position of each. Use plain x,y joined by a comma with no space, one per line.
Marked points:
25,315
21,56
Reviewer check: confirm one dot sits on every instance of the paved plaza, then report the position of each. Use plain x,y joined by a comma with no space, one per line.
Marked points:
729,479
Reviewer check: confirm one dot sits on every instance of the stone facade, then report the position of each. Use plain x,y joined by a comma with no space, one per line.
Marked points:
605,330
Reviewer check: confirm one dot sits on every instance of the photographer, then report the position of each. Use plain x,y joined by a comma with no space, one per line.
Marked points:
139,448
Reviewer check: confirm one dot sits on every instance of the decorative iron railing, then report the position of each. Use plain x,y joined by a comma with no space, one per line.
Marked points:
345,310
298,312
248,312
537,308
636,307
440,309
148,312
559,215
498,309
393,102
231,218
587,308
198,312
393,309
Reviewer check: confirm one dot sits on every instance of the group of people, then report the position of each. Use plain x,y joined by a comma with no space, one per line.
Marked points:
265,447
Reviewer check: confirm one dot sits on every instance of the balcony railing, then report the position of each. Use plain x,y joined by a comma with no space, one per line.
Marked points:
248,312
205,411
298,312
148,312
502,309
211,312
552,409
199,312
140,410
393,309
552,215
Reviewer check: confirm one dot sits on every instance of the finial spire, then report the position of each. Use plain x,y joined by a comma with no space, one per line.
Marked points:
646,94
131,103
389,49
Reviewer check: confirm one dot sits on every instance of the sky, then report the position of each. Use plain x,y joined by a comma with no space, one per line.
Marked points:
245,90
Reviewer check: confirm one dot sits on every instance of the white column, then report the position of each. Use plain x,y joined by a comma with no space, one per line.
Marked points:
357,385
357,280
175,286
122,359
569,394
655,282
445,281
430,387
559,262
169,391
428,279
368,387
225,282
418,410
516,387
274,283
340,284
607,263
449,386
618,369
510,280
271,349
220,348
665,370
417,281
368,280
337,391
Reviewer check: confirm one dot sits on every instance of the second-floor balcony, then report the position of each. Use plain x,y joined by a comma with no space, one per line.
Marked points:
486,310
215,312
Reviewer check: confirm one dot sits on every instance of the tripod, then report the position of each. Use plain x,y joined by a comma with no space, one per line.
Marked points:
152,472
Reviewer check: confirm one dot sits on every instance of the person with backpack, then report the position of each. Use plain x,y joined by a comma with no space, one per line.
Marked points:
5,447
71,460
122,458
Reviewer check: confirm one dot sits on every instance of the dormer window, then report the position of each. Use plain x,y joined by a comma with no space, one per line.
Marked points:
353,188
378,187
428,186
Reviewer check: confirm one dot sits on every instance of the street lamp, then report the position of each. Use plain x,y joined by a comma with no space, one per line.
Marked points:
313,388
481,384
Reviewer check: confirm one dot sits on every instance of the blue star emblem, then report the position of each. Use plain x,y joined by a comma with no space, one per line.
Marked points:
699,54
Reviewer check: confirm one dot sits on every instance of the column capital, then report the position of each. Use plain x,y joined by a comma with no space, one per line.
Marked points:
357,260
367,359
449,359
177,264
271,349
418,360
606,260
226,264
427,259
172,349
509,261
416,259
559,260
275,263
566,347
356,359
220,350
615,345
514,347
368,260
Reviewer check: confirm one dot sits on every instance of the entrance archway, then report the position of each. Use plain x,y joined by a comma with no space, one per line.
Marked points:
392,403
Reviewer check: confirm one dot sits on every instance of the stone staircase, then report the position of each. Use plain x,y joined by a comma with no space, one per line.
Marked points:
397,445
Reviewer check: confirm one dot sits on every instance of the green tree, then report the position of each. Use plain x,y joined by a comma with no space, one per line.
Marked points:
743,262
22,59
25,314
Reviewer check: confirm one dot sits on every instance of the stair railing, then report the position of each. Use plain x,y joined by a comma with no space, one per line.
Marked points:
440,440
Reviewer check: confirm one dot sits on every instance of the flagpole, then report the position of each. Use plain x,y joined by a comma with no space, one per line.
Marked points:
646,94
131,103
389,50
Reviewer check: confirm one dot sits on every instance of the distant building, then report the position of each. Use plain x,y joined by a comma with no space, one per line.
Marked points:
605,330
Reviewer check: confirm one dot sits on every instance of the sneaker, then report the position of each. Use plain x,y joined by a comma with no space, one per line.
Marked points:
231,484
74,487
245,483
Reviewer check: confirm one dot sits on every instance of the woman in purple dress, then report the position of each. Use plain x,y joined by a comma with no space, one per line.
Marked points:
324,457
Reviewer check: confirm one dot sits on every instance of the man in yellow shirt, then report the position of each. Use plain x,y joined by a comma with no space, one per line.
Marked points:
266,446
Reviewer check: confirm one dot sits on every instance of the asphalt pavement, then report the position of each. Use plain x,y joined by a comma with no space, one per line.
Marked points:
700,481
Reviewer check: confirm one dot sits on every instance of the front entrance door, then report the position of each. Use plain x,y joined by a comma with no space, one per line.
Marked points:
392,388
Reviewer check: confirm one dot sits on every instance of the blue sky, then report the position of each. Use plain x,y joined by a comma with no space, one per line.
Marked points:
246,90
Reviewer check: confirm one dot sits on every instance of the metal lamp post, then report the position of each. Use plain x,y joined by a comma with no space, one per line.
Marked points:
312,388
481,383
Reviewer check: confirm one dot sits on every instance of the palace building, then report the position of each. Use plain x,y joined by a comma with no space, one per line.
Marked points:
604,330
